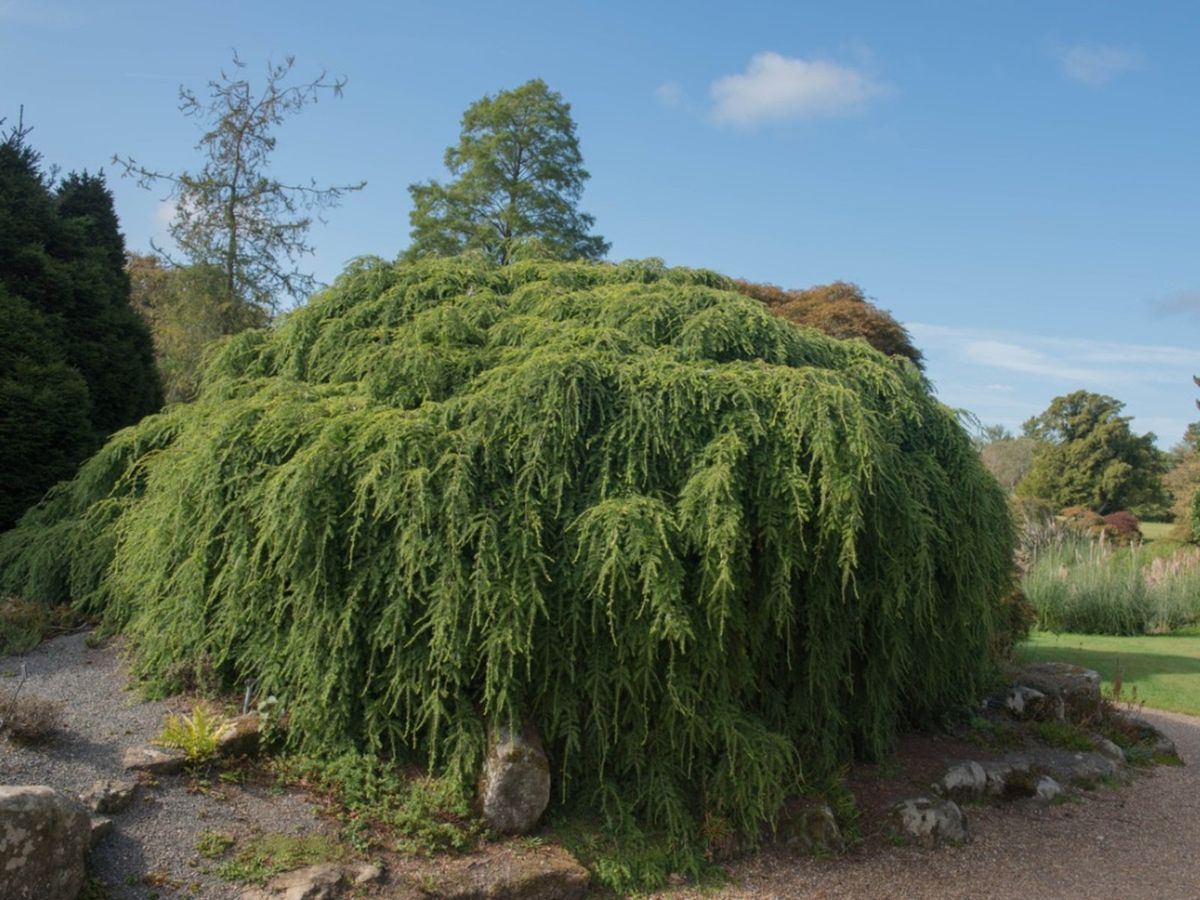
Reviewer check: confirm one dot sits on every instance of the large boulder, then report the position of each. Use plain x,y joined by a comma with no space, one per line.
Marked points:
514,788
154,761
1077,688
962,781
44,839
931,822
239,736
109,796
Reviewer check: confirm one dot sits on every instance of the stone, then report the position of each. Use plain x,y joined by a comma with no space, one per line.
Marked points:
549,873
811,828
963,781
1082,767
153,760
44,840
101,828
109,796
1047,789
1078,688
1025,703
364,873
1148,733
1105,747
931,822
239,736
1008,779
319,882
514,788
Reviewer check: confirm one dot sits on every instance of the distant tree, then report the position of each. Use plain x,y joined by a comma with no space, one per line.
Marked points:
1182,481
76,363
183,307
839,309
1009,460
1087,456
518,178
232,215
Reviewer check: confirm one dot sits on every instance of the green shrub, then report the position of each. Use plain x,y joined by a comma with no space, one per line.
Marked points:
22,625
195,735
709,553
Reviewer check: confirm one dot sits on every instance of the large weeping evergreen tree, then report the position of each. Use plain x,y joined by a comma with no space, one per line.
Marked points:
707,552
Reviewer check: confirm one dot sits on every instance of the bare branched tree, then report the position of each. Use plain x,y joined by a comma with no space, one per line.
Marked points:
232,214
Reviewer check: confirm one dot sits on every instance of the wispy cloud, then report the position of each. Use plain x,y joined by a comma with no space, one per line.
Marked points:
1180,303
1078,362
1096,64
669,93
776,87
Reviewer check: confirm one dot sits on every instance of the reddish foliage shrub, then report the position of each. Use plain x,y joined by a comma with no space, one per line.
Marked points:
1088,522
1126,525
840,310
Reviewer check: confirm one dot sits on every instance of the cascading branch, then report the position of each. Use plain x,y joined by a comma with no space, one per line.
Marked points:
705,551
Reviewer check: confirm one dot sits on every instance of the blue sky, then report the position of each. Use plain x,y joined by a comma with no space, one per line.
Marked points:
1017,182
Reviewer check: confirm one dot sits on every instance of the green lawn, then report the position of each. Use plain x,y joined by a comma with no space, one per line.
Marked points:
1156,531
1164,668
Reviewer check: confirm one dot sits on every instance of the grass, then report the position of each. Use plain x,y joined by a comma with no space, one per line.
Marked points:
1163,669
265,856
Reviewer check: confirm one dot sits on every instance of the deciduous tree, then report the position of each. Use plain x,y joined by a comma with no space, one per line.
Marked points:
518,178
233,214
1088,456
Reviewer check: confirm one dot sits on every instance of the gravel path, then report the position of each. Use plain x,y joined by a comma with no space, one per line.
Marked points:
1139,841
156,837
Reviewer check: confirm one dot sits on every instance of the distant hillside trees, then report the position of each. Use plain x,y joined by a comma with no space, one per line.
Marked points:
1088,456
518,177
76,362
840,310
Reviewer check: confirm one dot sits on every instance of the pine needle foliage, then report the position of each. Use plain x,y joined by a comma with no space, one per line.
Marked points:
708,552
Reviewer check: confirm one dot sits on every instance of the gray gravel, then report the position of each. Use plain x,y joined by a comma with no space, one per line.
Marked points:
157,835
1138,841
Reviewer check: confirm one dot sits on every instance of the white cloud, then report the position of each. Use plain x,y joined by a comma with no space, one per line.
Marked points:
1078,361
164,213
669,93
1096,64
776,87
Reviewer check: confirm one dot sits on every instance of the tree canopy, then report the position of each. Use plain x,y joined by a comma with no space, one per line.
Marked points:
1088,456
233,215
76,363
518,177
839,309
708,553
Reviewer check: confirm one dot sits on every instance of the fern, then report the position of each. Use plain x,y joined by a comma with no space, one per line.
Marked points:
710,553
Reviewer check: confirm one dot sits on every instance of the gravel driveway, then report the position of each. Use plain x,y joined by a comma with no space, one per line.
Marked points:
1139,841
152,850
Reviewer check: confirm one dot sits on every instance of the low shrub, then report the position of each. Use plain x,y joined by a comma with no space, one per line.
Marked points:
1092,587
30,720
22,625
1126,527
195,735
266,855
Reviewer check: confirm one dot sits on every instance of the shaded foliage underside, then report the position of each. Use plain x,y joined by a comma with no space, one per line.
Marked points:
708,552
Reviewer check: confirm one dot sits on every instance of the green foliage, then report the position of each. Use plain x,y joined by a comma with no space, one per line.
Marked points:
1080,585
195,735
1088,456
22,625
422,814
707,552
266,855
518,177
184,309
213,844
75,361
1066,735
